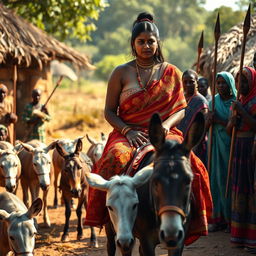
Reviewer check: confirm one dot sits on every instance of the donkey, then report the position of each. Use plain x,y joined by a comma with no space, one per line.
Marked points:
122,212
96,149
17,226
164,209
73,185
36,172
10,168
68,146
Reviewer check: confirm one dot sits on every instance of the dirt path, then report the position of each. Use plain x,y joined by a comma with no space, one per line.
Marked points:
48,240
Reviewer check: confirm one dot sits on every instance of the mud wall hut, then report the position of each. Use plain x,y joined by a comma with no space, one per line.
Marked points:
229,51
25,56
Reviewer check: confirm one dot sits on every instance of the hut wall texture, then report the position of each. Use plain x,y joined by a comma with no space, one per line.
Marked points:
27,80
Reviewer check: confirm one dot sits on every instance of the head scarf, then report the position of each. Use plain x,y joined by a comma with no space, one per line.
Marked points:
4,88
250,74
230,82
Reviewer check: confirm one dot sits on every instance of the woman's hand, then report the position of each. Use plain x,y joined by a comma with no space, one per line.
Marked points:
137,138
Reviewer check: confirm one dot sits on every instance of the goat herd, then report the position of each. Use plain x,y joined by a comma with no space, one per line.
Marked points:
142,213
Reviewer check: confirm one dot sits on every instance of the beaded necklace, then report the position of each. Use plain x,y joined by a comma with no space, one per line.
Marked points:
139,77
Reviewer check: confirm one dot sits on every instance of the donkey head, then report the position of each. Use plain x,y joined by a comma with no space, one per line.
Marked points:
122,203
9,168
41,161
96,149
73,168
171,181
21,229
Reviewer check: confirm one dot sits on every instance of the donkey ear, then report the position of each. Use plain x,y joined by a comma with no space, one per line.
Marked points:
35,208
51,146
96,181
60,150
156,132
79,146
92,141
18,147
27,147
103,136
195,132
4,215
142,176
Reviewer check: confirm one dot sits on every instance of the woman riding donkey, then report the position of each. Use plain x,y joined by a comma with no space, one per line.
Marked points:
136,90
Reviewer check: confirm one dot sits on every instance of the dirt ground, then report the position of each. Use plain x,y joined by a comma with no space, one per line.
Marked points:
48,240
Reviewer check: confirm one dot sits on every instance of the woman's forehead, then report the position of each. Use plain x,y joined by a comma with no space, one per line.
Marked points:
146,35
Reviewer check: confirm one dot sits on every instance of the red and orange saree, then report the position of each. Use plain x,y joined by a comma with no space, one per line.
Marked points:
165,97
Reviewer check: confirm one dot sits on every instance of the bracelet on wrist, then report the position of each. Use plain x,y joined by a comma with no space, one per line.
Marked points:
125,130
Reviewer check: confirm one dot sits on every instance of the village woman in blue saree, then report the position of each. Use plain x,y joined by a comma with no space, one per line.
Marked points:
221,140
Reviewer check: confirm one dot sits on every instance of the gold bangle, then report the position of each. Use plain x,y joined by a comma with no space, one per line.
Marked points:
127,130
124,128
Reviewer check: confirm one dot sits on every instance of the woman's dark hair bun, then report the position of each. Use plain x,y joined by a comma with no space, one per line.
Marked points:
145,15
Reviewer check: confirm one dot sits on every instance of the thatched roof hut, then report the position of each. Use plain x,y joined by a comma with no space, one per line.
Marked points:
26,45
229,51
29,50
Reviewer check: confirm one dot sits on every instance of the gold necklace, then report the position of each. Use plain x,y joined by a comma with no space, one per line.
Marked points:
145,66
139,77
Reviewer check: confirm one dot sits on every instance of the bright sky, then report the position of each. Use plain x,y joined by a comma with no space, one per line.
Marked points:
213,4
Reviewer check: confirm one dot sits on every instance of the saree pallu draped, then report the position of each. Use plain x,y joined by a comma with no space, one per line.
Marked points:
243,216
166,98
219,164
196,104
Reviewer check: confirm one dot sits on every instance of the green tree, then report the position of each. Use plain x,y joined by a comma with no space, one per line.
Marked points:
228,18
178,21
61,18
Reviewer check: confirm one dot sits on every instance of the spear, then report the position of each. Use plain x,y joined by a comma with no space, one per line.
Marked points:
216,36
199,51
246,28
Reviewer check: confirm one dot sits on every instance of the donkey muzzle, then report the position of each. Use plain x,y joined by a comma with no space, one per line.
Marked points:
76,192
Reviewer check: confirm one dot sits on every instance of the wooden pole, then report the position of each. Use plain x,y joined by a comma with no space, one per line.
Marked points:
246,28
216,36
14,101
199,51
56,86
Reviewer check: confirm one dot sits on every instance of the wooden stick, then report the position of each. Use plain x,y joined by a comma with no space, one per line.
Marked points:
56,86
14,101
216,36
199,51
246,28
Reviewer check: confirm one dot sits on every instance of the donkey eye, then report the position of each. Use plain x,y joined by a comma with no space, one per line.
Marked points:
12,238
134,206
110,208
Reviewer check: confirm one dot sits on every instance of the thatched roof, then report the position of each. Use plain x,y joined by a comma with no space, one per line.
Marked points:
229,51
26,45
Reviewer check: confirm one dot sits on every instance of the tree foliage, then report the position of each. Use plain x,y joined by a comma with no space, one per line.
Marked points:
228,19
61,18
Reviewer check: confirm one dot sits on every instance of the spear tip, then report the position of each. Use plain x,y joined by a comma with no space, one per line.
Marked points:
247,20
217,27
201,41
